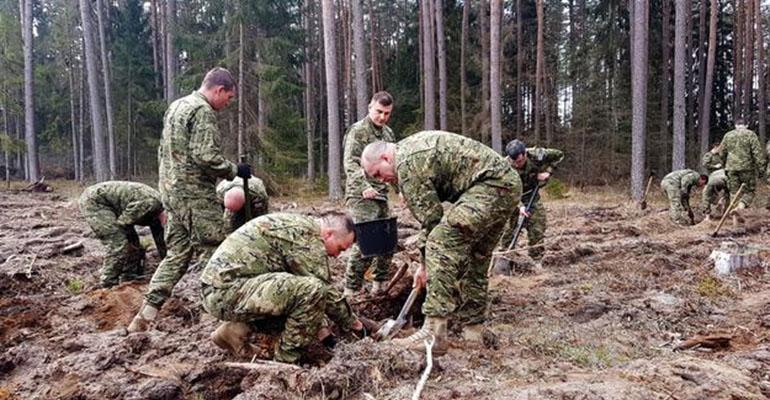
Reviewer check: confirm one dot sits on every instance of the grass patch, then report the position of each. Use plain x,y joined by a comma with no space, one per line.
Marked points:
711,288
556,189
74,286
583,355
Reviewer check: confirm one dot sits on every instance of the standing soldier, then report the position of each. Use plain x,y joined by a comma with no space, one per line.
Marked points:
366,200
190,161
111,210
231,195
534,166
677,185
711,160
717,182
432,167
744,161
276,266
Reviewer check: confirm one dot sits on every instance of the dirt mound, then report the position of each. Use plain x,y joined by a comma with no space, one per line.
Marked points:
114,307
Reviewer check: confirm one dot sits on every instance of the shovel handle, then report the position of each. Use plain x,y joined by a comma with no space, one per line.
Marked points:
728,209
408,304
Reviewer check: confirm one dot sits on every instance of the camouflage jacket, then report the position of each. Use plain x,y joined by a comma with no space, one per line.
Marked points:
741,151
358,136
539,159
683,179
711,161
435,166
189,155
259,201
278,242
718,179
133,203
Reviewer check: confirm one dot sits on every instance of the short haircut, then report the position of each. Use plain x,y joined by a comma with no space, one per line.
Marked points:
382,98
740,121
219,77
373,150
340,221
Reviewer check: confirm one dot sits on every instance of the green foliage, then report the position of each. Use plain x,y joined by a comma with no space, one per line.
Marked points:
556,189
74,286
711,288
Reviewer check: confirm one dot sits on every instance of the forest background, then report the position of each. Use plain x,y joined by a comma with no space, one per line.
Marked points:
626,88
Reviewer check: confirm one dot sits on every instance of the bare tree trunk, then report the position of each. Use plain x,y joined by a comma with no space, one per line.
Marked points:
350,94
170,50
540,60
241,99
359,49
332,102
309,84
519,71
6,130
29,89
738,59
639,72
748,65
107,87
70,81
701,53
495,15
81,122
101,172
678,155
154,37
429,118
484,135
420,51
705,113
761,59
442,77
665,104
463,80
373,50
130,125
262,107
163,27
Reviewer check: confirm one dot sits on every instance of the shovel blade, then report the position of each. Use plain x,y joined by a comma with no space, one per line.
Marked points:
389,329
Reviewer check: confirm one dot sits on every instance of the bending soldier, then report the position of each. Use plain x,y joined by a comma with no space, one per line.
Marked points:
677,185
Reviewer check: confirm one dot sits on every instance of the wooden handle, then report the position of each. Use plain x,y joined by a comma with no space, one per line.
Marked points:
728,209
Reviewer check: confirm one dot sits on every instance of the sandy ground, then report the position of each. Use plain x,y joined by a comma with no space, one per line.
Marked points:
620,291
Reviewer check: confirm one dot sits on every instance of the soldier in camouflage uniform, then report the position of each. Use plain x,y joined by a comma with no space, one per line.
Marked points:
230,193
433,167
111,210
276,266
534,166
366,200
744,160
190,161
677,185
715,189
711,160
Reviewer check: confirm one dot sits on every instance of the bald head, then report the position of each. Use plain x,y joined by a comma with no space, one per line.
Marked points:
235,198
337,232
379,161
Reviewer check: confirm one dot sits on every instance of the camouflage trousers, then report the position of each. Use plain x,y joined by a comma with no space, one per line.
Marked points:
677,209
124,260
363,210
715,189
749,181
459,249
299,299
193,232
535,226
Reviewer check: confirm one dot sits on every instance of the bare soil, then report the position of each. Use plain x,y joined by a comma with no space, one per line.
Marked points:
620,290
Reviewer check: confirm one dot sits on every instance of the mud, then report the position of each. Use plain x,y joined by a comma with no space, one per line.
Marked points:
619,290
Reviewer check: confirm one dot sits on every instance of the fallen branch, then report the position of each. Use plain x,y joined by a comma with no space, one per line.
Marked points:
710,342
29,267
397,277
72,247
262,365
428,368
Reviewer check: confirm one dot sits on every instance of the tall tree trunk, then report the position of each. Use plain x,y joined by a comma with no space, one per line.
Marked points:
495,15
705,112
738,58
101,172
71,87
359,48
163,24
29,89
540,60
519,70
761,59
130,126
309,84
154,38
429,118
484,135
420,52
107,87
350,93
665,132
241,88
170,50
678,155
748,64
442,76
701,53
7,132
81,121
639,72
262,107
332,101
463,80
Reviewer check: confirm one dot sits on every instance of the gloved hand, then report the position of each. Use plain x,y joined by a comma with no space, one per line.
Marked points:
244,171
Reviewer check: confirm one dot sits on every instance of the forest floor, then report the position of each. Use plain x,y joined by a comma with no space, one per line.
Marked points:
620,293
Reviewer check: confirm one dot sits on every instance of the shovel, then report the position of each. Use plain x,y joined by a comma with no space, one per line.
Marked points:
392,326
643,203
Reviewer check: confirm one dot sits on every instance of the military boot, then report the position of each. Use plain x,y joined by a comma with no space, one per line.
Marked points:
433,326
143,318
232,336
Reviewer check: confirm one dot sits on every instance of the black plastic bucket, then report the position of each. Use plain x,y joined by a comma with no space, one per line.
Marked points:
377,237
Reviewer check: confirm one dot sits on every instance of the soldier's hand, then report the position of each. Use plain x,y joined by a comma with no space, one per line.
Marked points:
369,193
523,212
420,277
244,171
543,176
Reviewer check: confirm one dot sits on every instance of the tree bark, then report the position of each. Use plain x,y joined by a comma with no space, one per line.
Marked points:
429,117
640,18
107,87
241,88
705,113
101,171
170,51
81,121
29,92
738,59
540,59
484,26
495,15
519,71
332,101
665,104
761,59
442,76
71,87
701,53
678,155
154,38
463,79
748,65
309,84
359,49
